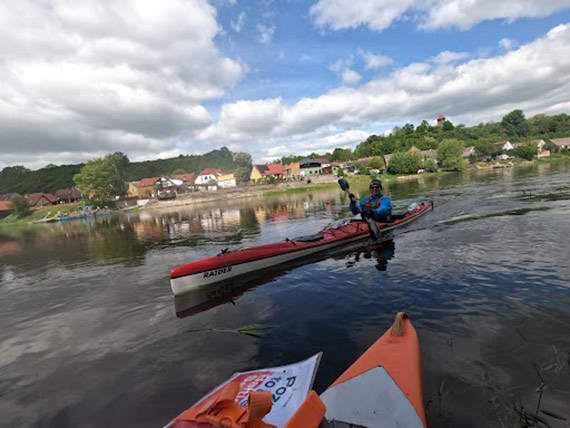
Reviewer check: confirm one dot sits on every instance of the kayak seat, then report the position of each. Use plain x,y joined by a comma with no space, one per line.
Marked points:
308,238
398,215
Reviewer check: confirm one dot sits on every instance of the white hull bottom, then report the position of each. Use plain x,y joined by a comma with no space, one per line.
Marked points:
187,283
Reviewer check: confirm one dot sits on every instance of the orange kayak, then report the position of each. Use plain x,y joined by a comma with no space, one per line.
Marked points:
382,389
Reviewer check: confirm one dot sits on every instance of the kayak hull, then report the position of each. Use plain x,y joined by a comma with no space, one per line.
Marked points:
234,264
384,386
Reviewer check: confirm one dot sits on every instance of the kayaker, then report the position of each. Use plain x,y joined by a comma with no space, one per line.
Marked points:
376,206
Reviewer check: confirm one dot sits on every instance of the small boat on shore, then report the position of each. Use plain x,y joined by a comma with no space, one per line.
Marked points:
231,264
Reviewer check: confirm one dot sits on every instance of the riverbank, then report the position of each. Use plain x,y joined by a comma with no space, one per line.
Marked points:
268,190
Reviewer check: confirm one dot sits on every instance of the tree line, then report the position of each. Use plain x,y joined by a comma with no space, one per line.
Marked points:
514,126
51,178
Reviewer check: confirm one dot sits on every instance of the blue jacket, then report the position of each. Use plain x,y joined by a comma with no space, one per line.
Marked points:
384,208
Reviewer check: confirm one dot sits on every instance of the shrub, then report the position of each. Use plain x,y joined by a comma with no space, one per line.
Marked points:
405,163
20,206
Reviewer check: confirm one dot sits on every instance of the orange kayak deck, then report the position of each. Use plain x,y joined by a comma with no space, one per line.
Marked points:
383,388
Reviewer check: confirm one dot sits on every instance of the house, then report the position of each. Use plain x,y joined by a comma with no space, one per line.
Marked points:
8,196
440,120
539,143
227,180
65,196
208,176
133,189
292,170
146,187
431,153
387,159
309,167
270,170
414,149
5,208
469,151
187,179
562,143
36,200
335,166
504,145
166,187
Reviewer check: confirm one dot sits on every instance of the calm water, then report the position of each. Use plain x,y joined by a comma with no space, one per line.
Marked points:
90,336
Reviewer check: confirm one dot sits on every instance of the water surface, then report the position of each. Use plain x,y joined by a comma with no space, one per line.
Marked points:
90,336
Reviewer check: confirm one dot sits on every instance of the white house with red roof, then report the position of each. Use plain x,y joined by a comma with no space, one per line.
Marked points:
208,176
505,145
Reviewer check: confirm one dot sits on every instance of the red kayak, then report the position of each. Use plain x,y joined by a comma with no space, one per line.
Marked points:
228,265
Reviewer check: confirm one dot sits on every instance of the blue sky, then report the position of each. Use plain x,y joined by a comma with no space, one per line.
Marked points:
157,79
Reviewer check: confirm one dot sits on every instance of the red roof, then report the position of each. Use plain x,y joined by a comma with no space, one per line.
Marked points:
441,116
5,206
186,178
71,192
275,169
33,198
148,182
501,143
211,171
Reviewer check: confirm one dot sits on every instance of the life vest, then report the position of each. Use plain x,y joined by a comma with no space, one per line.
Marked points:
370,203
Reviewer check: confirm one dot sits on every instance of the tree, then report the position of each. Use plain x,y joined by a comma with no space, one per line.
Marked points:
342,155
525,151
448,126
243,167
102,177
515,124
405,163
178,171
376,163
450,154
20,206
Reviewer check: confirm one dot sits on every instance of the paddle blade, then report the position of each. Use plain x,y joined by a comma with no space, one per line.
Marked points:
343,184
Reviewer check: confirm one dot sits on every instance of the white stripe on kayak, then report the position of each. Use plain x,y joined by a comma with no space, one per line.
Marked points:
371,400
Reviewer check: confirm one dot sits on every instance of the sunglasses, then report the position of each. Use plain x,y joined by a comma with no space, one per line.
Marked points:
375,187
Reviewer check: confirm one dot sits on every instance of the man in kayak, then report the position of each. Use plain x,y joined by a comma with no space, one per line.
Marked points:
376,206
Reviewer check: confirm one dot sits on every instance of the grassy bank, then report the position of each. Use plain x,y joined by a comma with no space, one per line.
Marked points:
38,214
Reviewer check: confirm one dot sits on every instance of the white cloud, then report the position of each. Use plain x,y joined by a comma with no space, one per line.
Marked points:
464,14
266,33
89,78
508,44
535,77
238,24
446,57
343,14
374,62
350,77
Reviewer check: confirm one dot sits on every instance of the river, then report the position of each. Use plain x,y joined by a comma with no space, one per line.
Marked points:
90,335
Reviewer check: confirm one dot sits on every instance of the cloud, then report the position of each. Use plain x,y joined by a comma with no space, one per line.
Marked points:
342,67
350,77
374,62
508,44
446,57
381,14
265,33
88,78
238,24
535,77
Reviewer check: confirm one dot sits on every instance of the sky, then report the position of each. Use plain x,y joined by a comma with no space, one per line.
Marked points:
80,79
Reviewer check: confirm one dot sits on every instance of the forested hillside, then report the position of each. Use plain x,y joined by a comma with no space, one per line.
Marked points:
51,178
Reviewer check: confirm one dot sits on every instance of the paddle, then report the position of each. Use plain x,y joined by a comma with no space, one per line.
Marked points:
374,229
